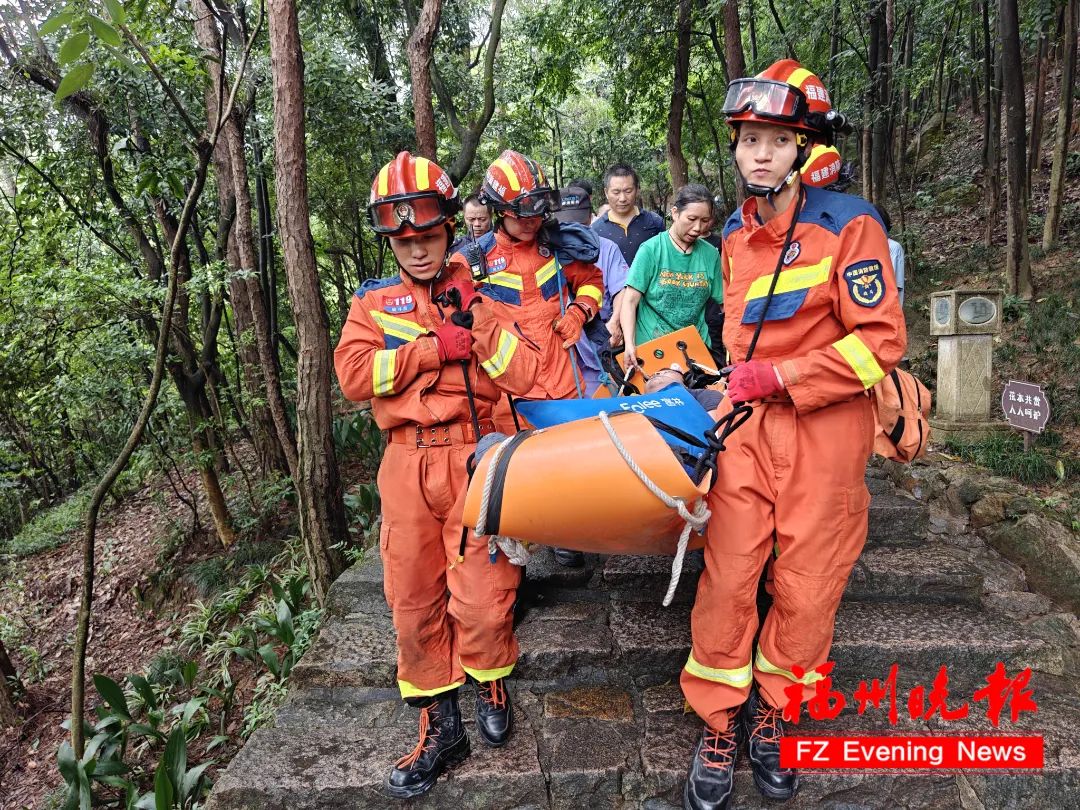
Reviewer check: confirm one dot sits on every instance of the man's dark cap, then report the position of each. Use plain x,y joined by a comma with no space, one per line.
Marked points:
576,205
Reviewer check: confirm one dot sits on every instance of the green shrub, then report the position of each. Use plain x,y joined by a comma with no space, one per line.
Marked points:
49,529
1004,454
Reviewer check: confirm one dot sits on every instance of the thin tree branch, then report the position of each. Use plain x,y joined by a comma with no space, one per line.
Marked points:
175,99
15,153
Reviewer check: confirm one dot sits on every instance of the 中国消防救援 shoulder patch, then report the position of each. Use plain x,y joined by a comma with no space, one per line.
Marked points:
865,282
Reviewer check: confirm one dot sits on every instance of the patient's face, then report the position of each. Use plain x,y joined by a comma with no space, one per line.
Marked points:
663,378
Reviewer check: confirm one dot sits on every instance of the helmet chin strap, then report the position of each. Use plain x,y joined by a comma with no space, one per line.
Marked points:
768,192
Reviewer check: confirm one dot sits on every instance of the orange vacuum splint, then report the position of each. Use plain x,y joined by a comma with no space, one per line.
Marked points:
570,486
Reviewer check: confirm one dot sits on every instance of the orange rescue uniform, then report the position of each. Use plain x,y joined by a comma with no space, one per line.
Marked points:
792,477
387,355
525,285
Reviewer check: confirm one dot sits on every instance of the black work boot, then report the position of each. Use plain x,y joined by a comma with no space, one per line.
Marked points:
568,558
494,714
442,744
711,779
764,727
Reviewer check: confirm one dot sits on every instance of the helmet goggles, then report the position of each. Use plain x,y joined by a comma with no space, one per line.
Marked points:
419,210
537,203
767,99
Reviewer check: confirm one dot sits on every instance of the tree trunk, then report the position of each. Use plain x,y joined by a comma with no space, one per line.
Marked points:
419,48
834,47
991,128
1038,104
973,53
1062,128
676,158
1017,262
271,433
736,63
788,46
245,244
752,23
322,511
883,94
9,682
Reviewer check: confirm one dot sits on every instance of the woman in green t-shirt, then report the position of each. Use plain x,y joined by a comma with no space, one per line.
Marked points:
673,275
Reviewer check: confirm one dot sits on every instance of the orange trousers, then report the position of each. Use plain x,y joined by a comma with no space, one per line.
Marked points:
794,484
441,638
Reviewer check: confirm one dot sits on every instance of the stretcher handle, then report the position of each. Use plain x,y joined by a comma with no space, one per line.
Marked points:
717,435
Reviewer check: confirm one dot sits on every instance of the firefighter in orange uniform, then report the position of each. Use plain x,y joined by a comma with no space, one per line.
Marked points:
549,299
433,372
792,476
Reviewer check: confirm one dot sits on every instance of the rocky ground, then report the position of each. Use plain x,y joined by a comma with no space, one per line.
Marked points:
600,720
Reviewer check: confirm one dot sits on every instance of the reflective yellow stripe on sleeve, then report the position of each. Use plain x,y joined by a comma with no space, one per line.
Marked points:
861,360
383,372
504,353
764,665
592,292
740,676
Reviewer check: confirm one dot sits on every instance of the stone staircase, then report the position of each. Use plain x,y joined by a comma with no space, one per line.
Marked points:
600,719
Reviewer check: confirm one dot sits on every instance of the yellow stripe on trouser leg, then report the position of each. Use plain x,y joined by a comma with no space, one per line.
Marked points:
764,665
861,360
408,690
498,363
485,675
738,677
383,372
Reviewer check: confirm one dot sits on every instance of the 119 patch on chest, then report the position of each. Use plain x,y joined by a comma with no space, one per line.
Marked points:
398,304
865,282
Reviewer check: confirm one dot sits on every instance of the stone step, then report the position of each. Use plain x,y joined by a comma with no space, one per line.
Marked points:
645,643
929,573
933,573
604,746
896,519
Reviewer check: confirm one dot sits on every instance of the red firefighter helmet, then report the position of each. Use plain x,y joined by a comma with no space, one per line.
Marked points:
784,93
516,184
411,194
822,167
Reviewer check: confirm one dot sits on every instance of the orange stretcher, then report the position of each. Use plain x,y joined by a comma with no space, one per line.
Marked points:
569,486
679,348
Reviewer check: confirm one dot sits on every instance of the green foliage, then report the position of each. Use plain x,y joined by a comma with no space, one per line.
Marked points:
139,753
49,529
1004,454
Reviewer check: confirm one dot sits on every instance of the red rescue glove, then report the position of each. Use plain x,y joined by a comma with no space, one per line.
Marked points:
569,326
461,292
754,380
453,342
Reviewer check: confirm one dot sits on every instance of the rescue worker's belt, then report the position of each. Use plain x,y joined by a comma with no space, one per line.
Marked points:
441,435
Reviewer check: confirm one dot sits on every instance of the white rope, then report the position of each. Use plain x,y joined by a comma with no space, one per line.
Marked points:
695,520
489,480
516,552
